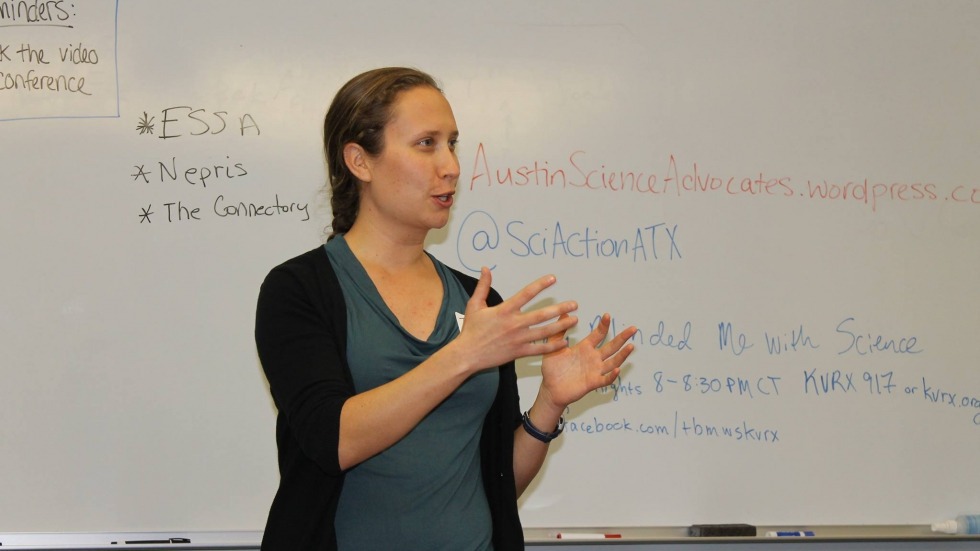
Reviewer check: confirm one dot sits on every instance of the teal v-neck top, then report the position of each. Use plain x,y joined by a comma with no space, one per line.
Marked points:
426,491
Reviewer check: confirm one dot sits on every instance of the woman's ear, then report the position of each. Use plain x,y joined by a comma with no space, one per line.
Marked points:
357,162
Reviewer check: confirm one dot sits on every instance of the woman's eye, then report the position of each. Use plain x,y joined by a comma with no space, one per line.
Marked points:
452,144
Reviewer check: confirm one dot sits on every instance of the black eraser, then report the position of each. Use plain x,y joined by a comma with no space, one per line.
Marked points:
720,530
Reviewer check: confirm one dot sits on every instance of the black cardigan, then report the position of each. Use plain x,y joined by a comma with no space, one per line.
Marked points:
301,336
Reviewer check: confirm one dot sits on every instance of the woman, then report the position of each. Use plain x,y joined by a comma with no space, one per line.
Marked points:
399,422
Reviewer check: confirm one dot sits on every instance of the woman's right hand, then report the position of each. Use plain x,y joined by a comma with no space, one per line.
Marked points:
495,335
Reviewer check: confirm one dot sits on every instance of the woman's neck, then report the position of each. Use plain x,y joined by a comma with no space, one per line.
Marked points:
389,250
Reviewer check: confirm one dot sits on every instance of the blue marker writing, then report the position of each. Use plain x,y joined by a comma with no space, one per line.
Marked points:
802,533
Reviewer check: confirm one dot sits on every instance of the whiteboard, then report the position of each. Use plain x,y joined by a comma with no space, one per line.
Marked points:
781,196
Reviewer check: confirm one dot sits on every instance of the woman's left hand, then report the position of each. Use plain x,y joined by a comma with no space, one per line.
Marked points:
568,374
574,371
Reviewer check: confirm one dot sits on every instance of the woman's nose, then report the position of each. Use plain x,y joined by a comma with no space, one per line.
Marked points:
449,164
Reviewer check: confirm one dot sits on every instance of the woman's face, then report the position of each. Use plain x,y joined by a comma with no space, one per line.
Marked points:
412,182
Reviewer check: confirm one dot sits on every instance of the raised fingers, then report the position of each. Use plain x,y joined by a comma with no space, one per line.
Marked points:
552,333
479,297
543,314
529,292
617,342
619,355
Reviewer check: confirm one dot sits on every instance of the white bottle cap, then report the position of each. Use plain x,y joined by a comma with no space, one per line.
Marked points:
947,527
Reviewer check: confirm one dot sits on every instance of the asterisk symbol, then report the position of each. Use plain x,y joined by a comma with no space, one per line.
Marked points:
141,172
145,217
146,124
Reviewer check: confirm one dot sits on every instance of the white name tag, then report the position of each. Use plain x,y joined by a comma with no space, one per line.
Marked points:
459,320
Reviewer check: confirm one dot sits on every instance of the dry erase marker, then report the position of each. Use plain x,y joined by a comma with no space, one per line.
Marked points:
791,534
581,536
154,542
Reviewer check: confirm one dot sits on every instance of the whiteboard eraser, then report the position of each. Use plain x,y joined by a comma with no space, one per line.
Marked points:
721,530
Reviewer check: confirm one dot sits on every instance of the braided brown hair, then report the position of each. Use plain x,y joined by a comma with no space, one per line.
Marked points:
358,114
